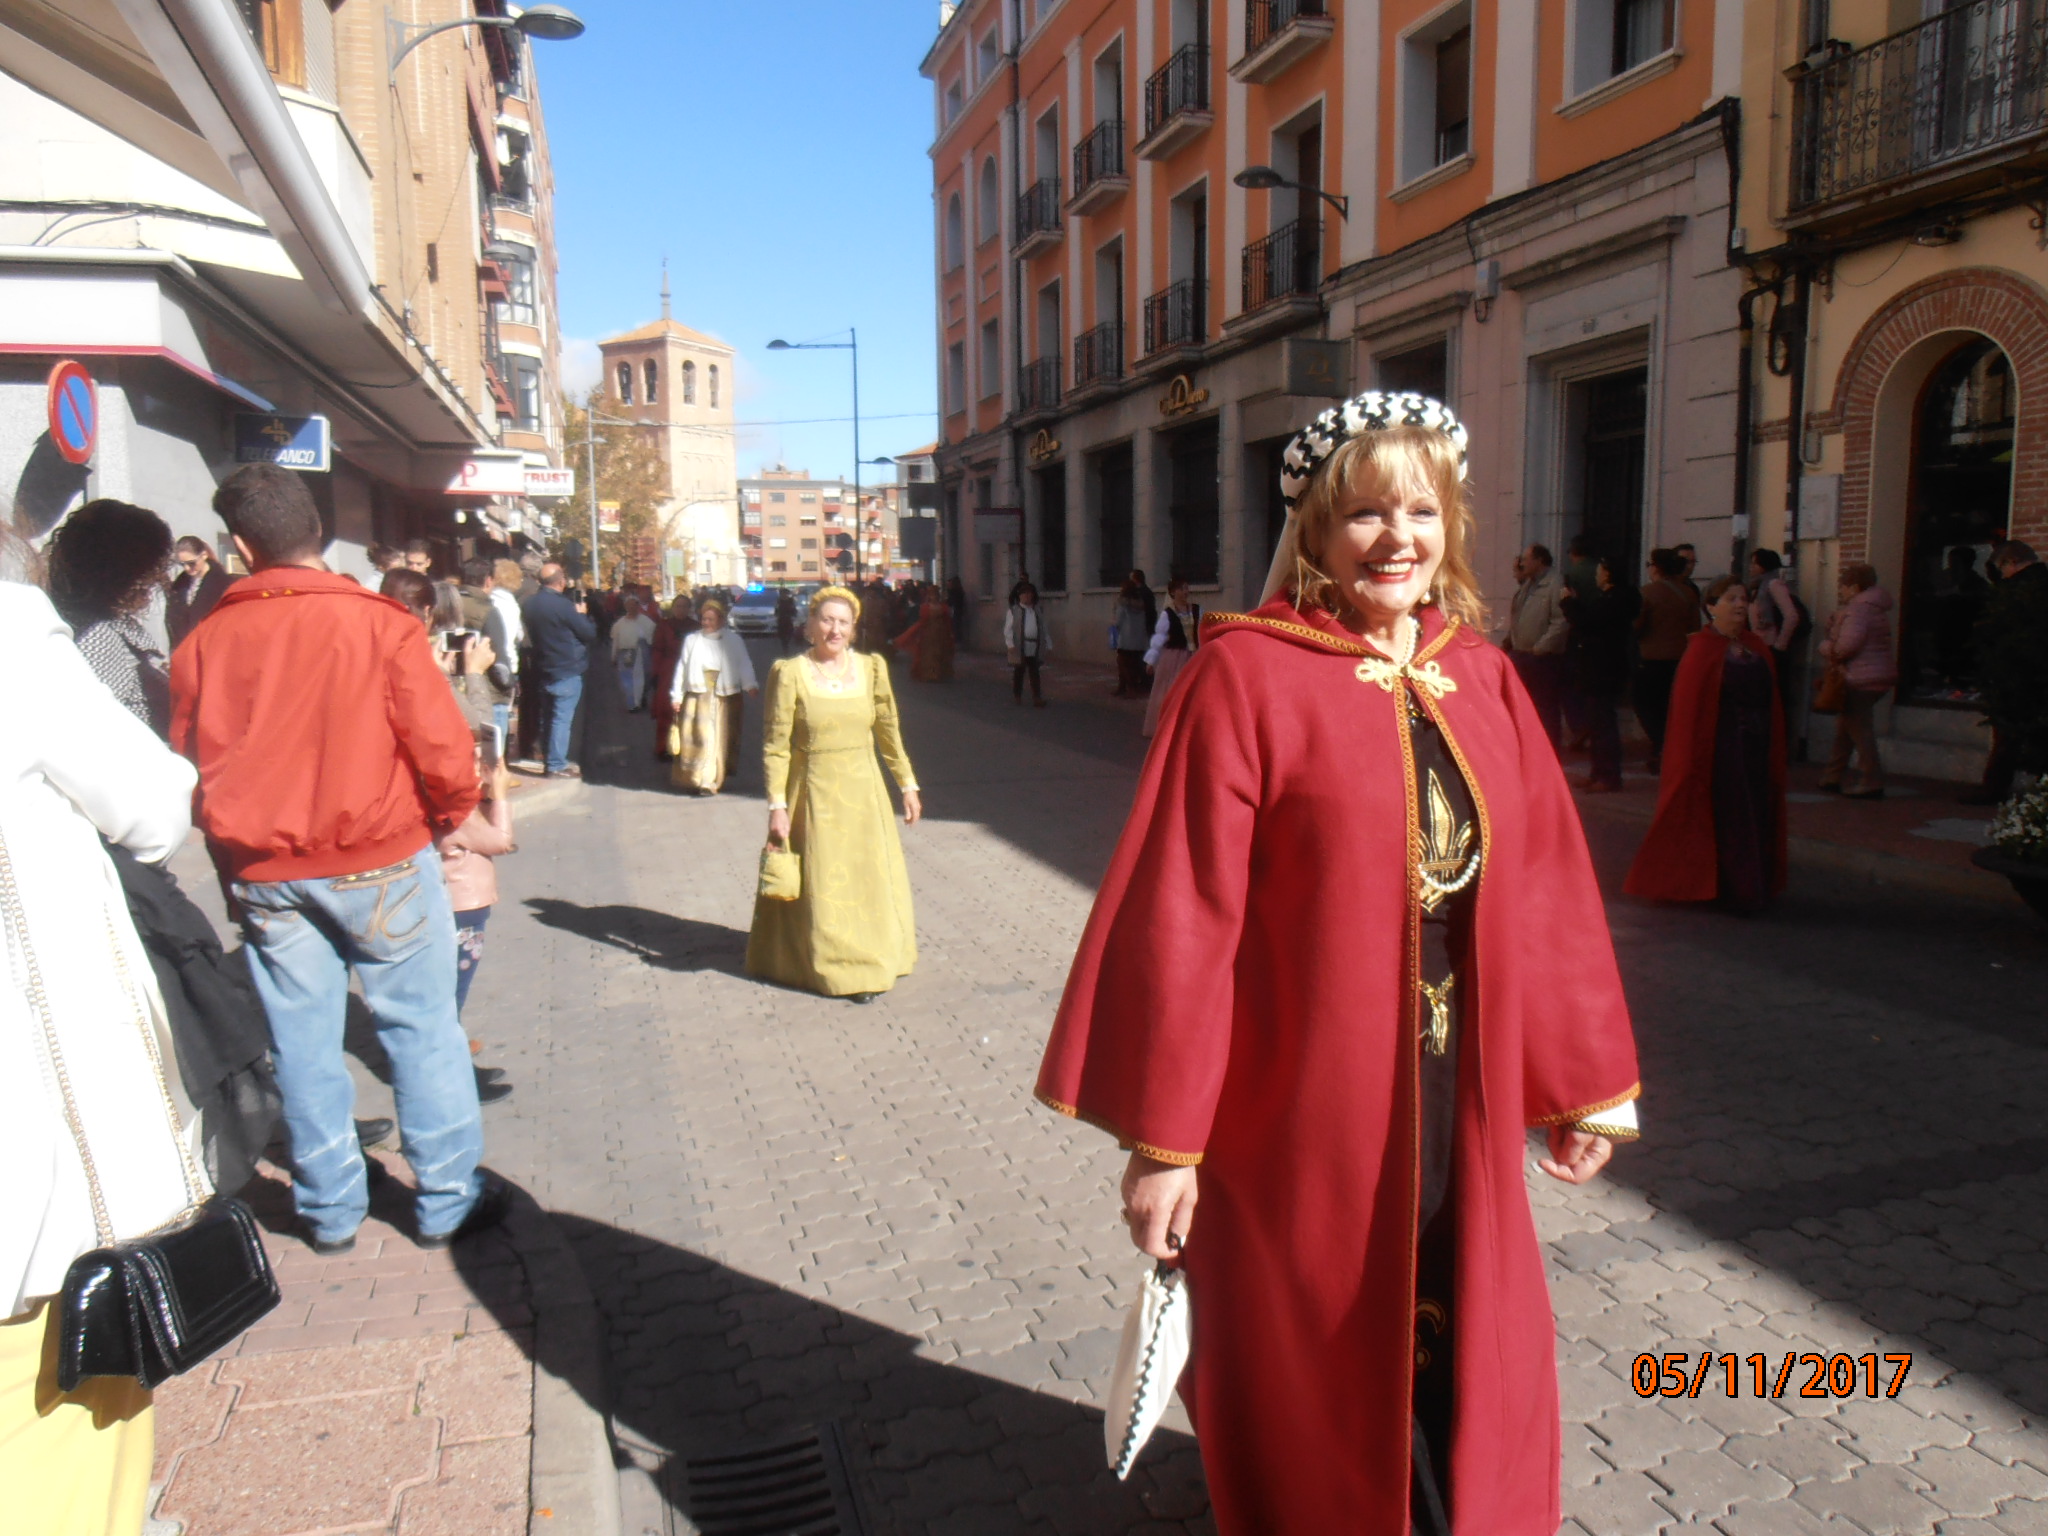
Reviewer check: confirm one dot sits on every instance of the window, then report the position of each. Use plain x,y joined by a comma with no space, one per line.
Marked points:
1436,92
524,380
1046,145
807,543
650,373
714,385
777,496
988,54
807,496
689,382
625,383
519,306
956,237
778,520
808,522
991,372
1611,37
956,377
988,210
778,565
1426,370
279,28
954,100
778,543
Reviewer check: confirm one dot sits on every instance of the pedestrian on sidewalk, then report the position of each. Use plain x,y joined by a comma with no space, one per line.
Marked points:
1719,832
506,579
1665,624
1581,579
1600,625
1339,1327
1860,642
960,605
670,630
1537,631
1176,636
785,621
76,767
930,640
1776,613
330,752
483,615
1137,614
562,634
850,932
1027,637
106,566
632,642
468,863
707,698
2012,667
199,586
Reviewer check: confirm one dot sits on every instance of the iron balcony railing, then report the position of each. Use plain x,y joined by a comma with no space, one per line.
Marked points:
1181,85
1038,385
1038,209
1970,79
1287,262
1265,20
1099,354
1174,316
1100,155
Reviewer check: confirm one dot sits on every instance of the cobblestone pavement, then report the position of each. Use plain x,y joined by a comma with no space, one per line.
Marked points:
800,1212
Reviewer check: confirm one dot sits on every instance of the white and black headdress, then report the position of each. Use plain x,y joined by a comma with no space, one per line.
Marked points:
1374,411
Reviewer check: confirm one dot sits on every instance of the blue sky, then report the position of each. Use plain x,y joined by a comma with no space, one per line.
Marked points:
776,153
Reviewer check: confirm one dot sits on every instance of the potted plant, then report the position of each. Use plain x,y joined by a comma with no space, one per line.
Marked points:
2019,845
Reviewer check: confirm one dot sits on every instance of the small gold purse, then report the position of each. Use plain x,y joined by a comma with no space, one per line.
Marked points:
782,873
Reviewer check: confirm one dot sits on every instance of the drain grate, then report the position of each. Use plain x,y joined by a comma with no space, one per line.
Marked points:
794,1486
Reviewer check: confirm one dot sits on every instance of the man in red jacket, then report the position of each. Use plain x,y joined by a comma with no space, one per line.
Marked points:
330,751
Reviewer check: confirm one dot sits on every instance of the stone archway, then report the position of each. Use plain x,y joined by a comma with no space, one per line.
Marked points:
1914,327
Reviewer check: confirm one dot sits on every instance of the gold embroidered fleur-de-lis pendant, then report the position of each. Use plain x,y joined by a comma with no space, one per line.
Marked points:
1436,1039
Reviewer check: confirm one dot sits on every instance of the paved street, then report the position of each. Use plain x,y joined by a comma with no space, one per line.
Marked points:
798,1212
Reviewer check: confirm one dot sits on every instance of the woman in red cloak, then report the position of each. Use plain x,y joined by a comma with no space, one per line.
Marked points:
1719,833
1348,950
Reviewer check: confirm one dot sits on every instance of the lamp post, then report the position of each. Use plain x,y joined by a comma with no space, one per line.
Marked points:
591,417
851,344
550,23
1263,178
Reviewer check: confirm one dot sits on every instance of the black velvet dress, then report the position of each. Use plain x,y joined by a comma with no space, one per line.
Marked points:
1745,809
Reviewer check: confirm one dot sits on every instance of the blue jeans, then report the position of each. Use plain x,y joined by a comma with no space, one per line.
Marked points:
501,716
395,928
562,694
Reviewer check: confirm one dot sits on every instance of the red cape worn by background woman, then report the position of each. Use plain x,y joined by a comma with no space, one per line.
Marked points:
1678,860
1244,996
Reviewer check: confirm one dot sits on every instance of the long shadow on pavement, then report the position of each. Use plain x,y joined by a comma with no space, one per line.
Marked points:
668,942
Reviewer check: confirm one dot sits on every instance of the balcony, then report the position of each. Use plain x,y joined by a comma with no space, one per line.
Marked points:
1038,217
1099,358
1175,317
1038,386
1177,103
1287,264
1099,174
1947,107
1278,34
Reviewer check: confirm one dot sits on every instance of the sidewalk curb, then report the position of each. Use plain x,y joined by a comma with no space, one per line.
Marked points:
536,796
1816,854
574,1489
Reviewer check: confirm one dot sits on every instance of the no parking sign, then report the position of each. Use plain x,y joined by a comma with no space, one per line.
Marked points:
74,411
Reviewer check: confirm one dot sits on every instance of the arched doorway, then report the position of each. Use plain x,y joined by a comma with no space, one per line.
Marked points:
1959,508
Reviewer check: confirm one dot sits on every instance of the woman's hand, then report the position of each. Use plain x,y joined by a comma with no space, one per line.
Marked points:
501,781
752,691
1575,1156
913,808
478,655
1159,1205
778,827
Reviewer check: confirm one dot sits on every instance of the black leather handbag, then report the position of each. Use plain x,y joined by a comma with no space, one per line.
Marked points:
153,1306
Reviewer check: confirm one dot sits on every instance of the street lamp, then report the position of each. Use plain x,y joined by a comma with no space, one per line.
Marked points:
591,418
1263,178
851,344
549,23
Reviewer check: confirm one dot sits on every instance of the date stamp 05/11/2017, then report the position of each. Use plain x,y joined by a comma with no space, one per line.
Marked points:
1803,1375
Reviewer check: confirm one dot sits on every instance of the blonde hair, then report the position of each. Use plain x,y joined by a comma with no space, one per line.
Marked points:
1369,462
836,595
711,605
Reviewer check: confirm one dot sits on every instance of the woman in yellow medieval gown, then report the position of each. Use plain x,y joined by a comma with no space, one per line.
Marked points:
850,933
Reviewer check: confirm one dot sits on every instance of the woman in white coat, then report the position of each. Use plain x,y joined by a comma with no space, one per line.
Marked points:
712,678
74,764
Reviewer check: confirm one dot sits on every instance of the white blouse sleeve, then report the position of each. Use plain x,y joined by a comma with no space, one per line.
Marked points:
1159,633
742,664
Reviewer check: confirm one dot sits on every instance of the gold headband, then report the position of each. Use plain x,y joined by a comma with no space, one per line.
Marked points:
836,594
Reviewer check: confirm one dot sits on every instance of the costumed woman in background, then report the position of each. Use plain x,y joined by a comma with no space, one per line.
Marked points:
1174,639
707,697
930,640
1348,948
1719,832
661,668
850,933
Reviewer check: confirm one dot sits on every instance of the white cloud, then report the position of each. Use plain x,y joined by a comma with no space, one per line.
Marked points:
582,365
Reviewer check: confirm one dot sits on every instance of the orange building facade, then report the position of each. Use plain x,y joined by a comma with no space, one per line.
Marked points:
1519,205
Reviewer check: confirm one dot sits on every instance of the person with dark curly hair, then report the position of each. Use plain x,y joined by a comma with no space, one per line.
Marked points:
107,560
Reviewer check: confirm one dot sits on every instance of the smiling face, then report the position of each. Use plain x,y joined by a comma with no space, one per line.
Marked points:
1730,611
831,628
711,621
1386,545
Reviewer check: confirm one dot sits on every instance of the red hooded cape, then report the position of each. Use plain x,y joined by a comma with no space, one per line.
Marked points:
1245,996
1677,861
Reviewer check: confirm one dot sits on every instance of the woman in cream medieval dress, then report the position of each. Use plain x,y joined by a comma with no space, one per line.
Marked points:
708,694
850,933
1348,950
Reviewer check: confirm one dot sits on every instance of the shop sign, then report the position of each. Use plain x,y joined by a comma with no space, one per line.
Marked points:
607,517
1044,447
74,408
492,475
999,525
1314,367
550,482
296,442
1182,398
